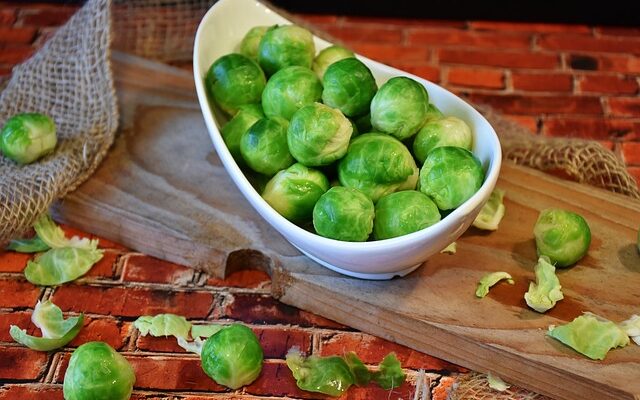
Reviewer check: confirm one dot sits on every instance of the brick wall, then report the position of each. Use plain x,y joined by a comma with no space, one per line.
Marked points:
558,80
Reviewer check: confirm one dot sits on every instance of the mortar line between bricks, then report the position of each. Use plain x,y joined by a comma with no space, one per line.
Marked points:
51,368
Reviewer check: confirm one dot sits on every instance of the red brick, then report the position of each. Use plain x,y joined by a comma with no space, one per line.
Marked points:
318,18
15,54
21,363
107,330
36,391
244,278
18,318
7,16
534,105
529,122
625,106
11,261
617,31
589,127
18,294
102,242
392,53
619,63
476,77
358,33
631,153
17,35
542,82
132,302
404,22
573,42
498,58
607,144
608,84
526,27
372,350
152,270
160,344
264,309
635,173
456,37
47,16
106,267
426,71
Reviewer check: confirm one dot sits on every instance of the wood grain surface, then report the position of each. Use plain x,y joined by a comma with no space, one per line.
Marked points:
163,191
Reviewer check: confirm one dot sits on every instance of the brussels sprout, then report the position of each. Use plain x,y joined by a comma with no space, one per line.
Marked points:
403,212
234,80
433,112
294,191
232,357
344,214
349,86
197,333
389,374
492,212
286,46
561,235
251,41
363,123
590,336
546,291
290,89
54,236
361,374
60,265
98,372
264,146
328,375
448,131
27,137
632,328
33,245
451,248
400,107
56,331
163,325
496,383
378,164
491,279
450,176
239,124
318,135
328,56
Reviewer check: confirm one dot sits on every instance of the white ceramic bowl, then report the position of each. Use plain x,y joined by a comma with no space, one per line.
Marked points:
220,33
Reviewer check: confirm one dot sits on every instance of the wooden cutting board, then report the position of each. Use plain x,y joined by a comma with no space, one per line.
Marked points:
163,191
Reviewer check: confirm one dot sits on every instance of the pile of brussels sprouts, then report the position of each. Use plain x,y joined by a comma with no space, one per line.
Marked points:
339,155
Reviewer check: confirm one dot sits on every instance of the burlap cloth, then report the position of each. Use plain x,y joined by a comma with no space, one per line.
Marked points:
70,79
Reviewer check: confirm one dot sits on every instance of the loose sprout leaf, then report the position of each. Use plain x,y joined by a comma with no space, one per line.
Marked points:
590,336
163,325
360,372
492,212
389,374
60,265
496,383
546,291
450,249
491,279
194,346
56,331
328,375
205,331
632,328
33,245
54,237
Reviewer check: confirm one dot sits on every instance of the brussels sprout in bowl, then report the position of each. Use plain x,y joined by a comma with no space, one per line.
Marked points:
228,21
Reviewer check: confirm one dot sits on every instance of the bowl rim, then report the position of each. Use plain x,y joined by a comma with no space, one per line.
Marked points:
279,222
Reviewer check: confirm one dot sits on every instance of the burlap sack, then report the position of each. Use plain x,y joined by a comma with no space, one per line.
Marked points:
70,80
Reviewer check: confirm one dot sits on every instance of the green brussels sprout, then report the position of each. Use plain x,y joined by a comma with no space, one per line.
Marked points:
450,176
562,235
232,132
318,135
264,146
401,213
433,113
354,128
328,56
98,372
294,191
349,86
448,131
290,89
378,164
344,214
364,123
286,46
400,107
27,137
234,80
251,41
232,357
